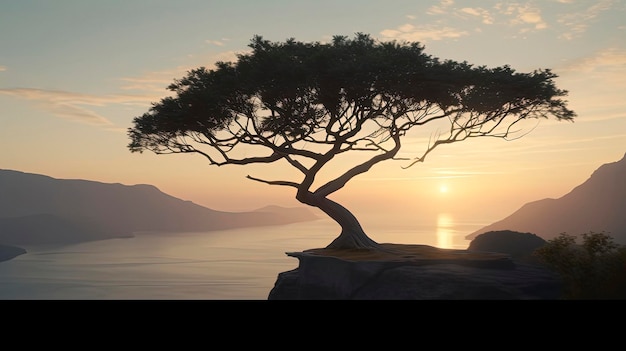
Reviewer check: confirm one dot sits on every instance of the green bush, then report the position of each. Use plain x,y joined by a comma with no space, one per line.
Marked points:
592,269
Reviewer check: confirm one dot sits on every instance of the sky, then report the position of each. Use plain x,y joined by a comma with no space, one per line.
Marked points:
74,73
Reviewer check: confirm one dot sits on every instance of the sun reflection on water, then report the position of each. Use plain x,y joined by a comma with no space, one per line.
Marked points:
445,232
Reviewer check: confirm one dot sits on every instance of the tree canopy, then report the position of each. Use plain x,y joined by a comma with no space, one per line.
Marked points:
306,103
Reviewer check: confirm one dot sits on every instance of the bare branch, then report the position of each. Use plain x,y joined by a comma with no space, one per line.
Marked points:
274,182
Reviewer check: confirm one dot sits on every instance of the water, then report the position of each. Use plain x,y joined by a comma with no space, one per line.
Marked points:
238,264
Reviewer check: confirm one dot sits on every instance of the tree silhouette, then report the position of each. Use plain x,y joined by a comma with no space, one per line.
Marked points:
306,103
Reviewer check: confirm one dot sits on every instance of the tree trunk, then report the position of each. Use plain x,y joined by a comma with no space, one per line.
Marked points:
352,234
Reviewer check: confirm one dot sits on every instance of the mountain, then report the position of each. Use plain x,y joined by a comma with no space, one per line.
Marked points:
38,209
598,204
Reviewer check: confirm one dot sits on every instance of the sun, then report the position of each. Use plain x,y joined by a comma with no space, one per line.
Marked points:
443,189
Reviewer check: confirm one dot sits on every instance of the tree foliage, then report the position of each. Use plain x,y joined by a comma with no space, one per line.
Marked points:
306,103
592,269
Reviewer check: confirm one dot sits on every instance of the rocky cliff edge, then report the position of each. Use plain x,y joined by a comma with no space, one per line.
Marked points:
413,272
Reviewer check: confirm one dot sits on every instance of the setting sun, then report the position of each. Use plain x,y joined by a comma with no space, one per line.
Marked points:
443,189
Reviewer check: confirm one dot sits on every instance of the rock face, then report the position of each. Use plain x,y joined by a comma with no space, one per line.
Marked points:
321,277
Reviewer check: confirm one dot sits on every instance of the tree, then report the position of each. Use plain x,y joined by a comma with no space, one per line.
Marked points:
307,103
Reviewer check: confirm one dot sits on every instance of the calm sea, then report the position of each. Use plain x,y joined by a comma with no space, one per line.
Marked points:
238,264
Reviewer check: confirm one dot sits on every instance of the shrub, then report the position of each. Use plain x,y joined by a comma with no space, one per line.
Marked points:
519,246
592,269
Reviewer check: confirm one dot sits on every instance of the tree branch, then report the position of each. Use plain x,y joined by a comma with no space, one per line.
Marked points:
340,181
274,182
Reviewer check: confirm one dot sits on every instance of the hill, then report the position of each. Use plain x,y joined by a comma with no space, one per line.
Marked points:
38,209
597,205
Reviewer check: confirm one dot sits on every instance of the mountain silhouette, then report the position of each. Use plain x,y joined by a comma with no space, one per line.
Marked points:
38,209
598,205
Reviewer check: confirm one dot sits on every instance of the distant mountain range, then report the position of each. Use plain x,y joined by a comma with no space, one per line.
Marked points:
37,210
598,204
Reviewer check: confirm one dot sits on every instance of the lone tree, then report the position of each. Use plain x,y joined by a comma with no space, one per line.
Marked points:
306,103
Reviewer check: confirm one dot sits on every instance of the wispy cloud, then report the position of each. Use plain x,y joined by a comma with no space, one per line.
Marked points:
148,88
596,86
577,23
564,146
156,82
525,15
457,173
485,15
409,32
71,106
215,42
440,9
406,179
3,68
611,60
153,82
438,174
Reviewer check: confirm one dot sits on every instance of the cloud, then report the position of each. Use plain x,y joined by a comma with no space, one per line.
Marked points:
443,176
532,16
409,32
70,106
568,144
214,42
3,68
448,173
440,9
478,12
577,23
611,60
523,15
150,87
156,82
596,85
471,11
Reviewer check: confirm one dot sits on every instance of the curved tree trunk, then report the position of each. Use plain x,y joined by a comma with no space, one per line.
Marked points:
352,234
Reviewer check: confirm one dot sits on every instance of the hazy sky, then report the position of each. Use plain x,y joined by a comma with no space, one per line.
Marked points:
73,74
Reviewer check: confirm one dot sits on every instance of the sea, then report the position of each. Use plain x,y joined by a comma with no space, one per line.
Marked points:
236,264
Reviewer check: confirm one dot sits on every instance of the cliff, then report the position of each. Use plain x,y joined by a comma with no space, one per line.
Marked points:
417,272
